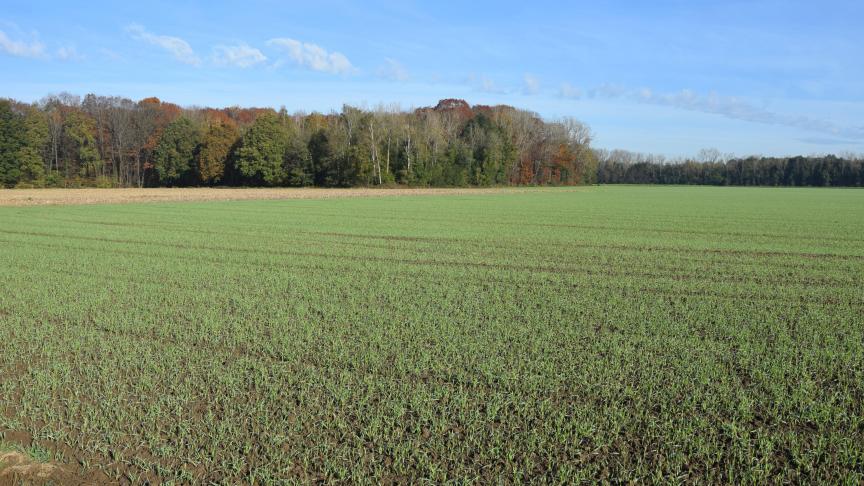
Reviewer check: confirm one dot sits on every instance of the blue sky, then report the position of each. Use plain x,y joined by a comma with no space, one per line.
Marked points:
670,77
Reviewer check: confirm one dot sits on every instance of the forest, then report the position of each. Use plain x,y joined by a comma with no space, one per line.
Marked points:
101,141
104,141
710,167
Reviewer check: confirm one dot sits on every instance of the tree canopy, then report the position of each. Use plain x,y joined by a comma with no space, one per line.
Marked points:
64,140
174,156
112,141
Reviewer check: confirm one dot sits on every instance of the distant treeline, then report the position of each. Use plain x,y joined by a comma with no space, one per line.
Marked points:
712,168
66,141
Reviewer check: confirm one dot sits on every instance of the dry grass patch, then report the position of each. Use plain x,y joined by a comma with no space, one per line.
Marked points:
18,468
37,197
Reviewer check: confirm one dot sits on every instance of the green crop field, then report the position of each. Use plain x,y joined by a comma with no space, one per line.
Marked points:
664,334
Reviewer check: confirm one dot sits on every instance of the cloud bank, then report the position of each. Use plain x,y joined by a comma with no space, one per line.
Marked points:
19,48
313,56
177,47
727,106
241,55
567,90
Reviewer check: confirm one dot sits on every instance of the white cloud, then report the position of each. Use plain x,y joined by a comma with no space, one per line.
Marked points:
19,48
827,141
608,91
531,85
393,71
567,90
313,56
68,53
240,55
727,106
179,48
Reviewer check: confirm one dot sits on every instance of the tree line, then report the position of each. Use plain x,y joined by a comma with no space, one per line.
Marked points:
710,167
104,141
66,141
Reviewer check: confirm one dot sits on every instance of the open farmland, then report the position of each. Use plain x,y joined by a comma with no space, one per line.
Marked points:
669,334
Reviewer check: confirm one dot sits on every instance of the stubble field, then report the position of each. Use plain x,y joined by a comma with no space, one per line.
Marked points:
39,197
668,334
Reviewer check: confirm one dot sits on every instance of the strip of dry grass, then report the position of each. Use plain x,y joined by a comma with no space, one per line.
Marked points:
17,468
38,197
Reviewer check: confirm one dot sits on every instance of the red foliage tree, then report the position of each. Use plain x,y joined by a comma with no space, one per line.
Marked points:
457,106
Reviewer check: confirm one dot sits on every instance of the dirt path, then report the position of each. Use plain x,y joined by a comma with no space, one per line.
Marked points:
35,197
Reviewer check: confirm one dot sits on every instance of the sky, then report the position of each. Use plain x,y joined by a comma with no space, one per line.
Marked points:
665,77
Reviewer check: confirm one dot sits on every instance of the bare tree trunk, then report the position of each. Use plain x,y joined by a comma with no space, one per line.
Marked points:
120,167
408,151
375,160
347,153
389,133
56,131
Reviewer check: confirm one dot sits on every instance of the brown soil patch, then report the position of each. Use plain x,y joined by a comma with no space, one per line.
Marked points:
38,197
17,468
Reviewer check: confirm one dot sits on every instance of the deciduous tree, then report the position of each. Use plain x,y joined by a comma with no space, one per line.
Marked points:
263,149
174,156
216,146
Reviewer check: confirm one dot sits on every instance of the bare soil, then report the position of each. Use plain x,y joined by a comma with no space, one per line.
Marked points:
16,468
38,197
